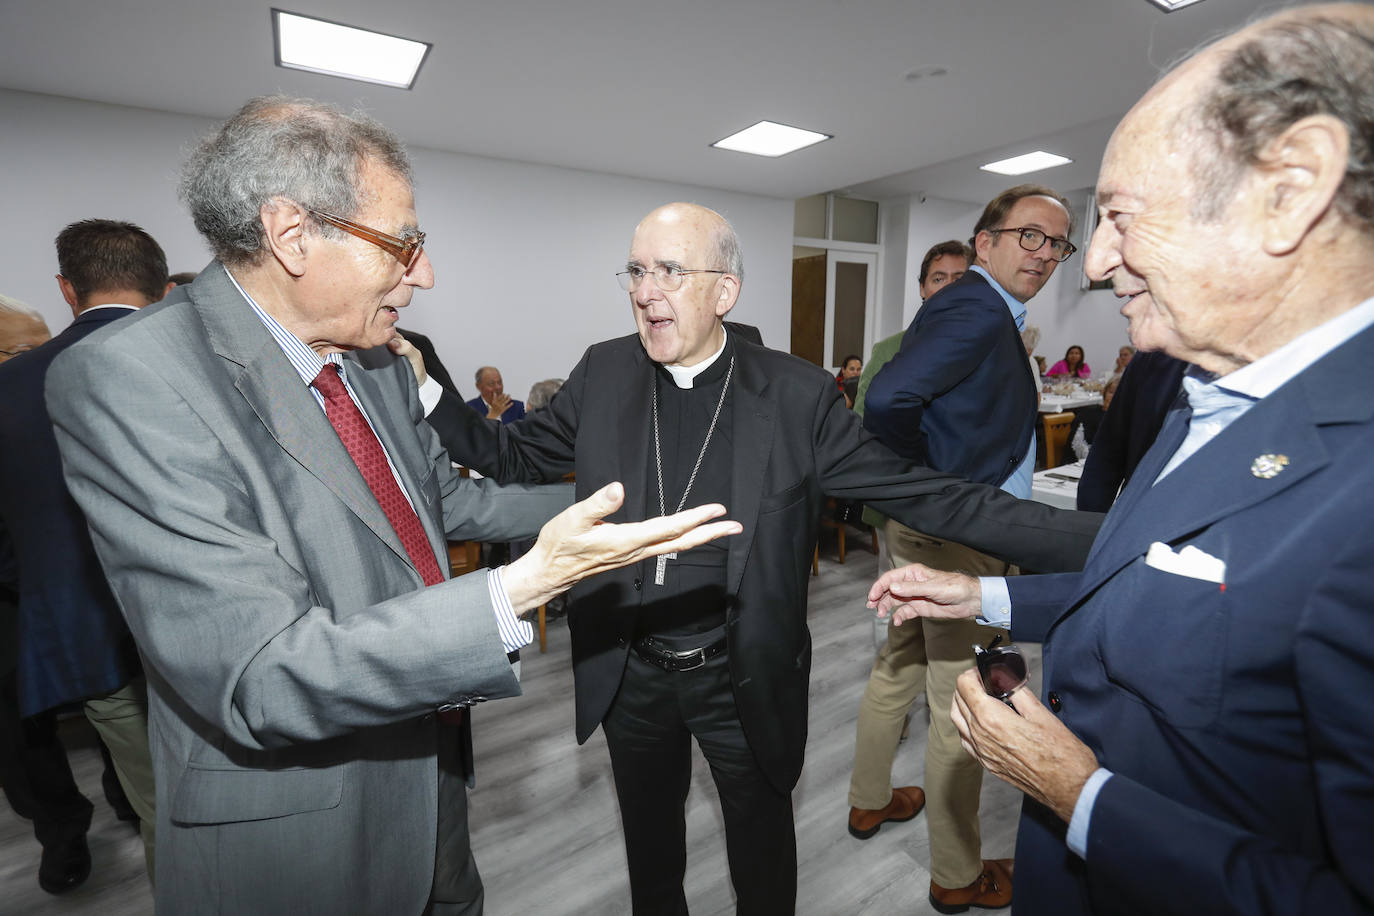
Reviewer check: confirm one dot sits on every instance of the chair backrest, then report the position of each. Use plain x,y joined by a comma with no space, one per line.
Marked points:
1057,427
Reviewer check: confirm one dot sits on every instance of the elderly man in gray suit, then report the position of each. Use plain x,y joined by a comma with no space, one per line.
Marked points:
271,515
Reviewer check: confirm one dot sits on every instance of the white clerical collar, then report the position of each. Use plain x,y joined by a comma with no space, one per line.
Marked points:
685,376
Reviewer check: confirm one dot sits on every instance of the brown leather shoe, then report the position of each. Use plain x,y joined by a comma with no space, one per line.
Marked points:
906,803
990,891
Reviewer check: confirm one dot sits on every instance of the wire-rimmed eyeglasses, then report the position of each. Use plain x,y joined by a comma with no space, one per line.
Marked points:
407,251
667,277
1034,240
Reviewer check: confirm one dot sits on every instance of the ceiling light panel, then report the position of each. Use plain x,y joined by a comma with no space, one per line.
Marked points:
1169,6
768,138
1021,165
319,46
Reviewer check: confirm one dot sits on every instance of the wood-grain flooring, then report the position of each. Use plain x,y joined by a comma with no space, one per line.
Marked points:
544,818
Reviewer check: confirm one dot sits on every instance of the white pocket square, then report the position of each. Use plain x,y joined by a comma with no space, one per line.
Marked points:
1190,562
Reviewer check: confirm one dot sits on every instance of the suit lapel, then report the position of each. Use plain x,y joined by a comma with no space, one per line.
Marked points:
631,442
283,403
752,429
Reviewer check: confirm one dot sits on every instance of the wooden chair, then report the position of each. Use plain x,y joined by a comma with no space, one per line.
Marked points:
829,520
1056,436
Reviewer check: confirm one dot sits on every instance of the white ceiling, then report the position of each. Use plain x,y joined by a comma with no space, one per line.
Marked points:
641,87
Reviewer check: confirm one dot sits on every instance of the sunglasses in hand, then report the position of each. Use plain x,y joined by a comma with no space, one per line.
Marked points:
1002,669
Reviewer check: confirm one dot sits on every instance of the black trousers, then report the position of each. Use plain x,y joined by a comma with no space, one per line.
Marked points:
34,770
649,730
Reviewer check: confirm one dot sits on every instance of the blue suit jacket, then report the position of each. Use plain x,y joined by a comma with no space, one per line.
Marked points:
516,410
1235,718
958,396
73,643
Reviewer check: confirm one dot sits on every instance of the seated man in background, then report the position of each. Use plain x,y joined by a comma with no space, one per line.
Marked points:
492,401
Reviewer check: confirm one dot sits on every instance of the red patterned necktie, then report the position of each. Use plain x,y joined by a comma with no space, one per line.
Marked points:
362,444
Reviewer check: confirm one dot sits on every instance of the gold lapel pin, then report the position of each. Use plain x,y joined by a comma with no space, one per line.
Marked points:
1267,467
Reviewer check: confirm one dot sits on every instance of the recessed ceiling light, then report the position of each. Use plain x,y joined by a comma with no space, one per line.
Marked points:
768,138
318,46
1020,165
1169,6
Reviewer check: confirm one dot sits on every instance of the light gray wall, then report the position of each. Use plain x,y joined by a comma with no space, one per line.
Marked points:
524,255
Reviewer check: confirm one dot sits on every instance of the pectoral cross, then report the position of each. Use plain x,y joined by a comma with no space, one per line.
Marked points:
661,566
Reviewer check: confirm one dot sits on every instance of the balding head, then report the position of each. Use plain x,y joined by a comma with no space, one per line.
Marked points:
1232,196
683,275
21,328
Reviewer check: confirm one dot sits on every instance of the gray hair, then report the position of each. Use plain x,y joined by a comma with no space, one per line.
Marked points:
16,307
1291,69
541,393
477,376
275,146
729,255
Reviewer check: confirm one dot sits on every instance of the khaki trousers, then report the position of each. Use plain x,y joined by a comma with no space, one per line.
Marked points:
926,655
121,719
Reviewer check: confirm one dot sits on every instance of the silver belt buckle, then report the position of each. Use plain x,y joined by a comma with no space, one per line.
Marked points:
696,656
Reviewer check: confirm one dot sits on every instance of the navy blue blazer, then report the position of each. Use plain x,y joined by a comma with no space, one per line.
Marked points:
958,396
1147,390
1235,715
73,642
516,410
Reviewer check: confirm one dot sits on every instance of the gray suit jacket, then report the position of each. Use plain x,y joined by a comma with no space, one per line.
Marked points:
294,658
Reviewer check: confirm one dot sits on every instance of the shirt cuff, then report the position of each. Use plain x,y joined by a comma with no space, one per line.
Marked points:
515,633
430,392
996,600
1077,838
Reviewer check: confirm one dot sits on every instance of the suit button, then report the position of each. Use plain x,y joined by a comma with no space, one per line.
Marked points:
1055,703
639,583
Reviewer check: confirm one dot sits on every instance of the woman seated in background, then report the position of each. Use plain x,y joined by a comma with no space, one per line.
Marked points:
1071,365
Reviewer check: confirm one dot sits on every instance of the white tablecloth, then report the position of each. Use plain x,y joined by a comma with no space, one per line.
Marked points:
1058,403
1057,486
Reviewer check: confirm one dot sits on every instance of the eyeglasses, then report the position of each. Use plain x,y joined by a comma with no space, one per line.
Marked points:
667,277
407,251
9,353
1034,239
1002,669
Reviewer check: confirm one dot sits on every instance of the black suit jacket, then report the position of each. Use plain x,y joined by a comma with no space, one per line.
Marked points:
73,642
795,442
958,396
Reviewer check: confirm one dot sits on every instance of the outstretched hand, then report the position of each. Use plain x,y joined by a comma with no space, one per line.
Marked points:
577,543
919,591
499,405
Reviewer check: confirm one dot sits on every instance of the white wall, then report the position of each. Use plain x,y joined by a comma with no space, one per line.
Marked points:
1065,313
524,255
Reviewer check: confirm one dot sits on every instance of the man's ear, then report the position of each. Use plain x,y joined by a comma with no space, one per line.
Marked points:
727,292
1300,172
982,246
284,222
68,292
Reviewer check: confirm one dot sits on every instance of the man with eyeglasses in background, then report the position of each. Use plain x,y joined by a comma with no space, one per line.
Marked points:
712,644
959,397
272,515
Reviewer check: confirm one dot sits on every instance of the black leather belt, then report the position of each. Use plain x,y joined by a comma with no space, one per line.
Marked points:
653,652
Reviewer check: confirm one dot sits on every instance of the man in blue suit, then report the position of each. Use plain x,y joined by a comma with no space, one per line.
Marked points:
492,401
74,646
1206,744
959,397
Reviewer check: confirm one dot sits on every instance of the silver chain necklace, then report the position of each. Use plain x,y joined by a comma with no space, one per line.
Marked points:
661,563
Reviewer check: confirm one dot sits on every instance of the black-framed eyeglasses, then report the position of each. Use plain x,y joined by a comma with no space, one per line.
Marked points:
1002,669
407,250
1034,240
667,277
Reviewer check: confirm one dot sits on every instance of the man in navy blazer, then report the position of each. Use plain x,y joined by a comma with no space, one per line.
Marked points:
492,401
74,646
959,396
1206,744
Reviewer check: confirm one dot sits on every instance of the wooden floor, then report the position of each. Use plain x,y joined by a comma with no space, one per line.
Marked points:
544,818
